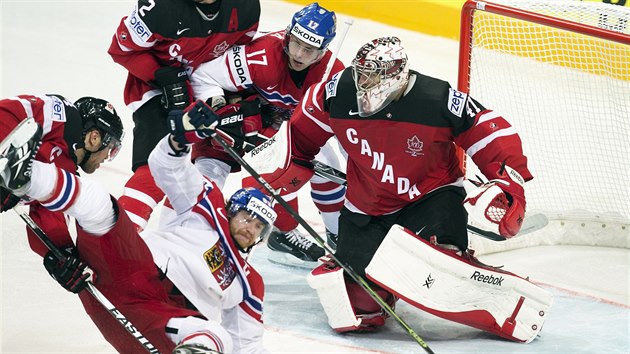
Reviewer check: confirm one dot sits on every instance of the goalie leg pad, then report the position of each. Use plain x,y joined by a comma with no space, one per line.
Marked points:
348,307
457,288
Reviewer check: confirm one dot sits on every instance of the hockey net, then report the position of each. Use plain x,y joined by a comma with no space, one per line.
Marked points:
559,71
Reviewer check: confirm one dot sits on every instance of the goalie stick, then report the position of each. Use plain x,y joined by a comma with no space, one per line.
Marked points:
122,320
356,277
531,223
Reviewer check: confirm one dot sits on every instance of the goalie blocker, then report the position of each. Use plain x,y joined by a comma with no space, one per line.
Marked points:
272,160
441,282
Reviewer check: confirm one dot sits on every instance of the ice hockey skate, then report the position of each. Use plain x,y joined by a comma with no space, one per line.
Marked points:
193,349
293,249
17,151
332,239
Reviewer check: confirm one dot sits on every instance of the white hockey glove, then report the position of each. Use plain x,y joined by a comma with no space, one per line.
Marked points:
498,206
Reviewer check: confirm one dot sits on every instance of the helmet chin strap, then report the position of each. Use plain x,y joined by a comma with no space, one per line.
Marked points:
85,159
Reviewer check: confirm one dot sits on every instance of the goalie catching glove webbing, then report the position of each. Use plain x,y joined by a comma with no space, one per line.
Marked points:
498,206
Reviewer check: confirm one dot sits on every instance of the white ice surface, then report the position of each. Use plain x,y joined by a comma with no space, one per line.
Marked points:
60,47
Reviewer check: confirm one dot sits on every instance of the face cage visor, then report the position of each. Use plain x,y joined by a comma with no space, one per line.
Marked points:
249,219
378,83
111,142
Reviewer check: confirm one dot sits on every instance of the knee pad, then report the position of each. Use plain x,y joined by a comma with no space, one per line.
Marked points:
349,307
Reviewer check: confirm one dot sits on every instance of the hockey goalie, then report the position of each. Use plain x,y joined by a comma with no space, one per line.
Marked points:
404,222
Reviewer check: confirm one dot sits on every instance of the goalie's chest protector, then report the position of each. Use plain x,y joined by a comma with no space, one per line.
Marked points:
400,153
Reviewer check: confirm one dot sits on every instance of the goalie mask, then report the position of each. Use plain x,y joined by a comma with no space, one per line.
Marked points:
251,217
381,73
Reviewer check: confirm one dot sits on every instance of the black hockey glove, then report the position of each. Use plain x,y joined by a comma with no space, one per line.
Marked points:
193,124
176,90
71,273
7,200
239,125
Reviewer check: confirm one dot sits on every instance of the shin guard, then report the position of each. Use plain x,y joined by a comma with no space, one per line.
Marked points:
459,288
348,306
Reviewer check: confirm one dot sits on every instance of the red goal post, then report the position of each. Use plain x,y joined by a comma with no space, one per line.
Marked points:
559,71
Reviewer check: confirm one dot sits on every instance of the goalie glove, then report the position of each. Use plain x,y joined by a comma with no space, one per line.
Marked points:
71,273
193,124
175,85
498,206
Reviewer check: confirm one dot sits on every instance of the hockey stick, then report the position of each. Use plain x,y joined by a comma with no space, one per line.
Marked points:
335,53
356,277
124,322
531,223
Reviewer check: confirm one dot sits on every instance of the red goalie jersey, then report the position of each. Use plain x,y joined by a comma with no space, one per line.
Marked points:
407,149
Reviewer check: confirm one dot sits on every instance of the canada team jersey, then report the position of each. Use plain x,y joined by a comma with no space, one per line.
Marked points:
61,129
161,33
407,149
60,122
263,66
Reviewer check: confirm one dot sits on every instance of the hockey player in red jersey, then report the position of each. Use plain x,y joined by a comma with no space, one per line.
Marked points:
404,223
203,296
278,67
160,43
83,134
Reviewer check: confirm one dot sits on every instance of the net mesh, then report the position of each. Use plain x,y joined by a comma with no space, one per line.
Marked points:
568,96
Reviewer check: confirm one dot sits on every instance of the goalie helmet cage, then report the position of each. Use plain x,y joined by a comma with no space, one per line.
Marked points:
559,72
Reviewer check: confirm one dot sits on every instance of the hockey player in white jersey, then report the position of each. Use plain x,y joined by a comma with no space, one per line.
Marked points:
199,251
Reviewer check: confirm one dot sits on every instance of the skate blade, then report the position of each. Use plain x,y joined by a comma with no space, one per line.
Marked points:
289,260
19,136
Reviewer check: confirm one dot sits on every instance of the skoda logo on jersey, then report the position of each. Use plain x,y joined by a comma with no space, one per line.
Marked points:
306,36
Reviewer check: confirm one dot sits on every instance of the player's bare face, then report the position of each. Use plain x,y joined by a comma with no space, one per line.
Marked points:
301,55
205,1
245,229
95,160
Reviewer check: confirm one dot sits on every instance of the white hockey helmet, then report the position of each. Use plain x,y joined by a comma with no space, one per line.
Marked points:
381,73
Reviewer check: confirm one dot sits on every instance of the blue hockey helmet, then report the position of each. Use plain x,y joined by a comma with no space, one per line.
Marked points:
313,25
257,205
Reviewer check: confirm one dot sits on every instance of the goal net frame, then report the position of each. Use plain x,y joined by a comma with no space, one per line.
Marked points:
573,227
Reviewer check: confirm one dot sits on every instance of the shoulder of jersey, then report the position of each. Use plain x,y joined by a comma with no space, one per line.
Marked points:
248,12
269,40
164,16
160,16
339,79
